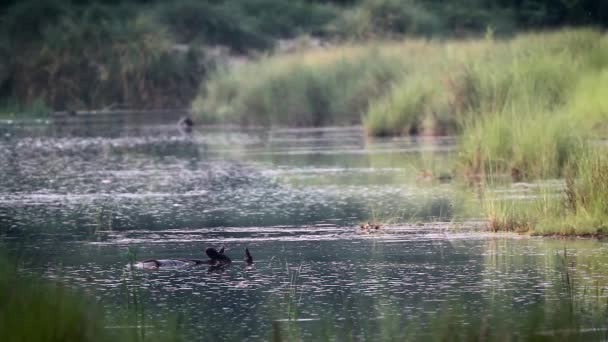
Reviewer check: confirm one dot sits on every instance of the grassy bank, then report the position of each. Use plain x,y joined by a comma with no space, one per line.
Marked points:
576,208
312,88
39,311
35,310
525,108
410,87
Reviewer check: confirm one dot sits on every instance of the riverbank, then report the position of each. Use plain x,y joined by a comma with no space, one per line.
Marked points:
526,108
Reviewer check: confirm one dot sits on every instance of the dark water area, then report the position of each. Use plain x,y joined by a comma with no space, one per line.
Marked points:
77,200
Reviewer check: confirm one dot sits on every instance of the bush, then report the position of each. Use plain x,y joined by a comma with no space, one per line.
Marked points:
385,18
95,59
242,25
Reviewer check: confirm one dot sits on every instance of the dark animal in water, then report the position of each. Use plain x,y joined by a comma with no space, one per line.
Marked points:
185,124
248,257
370,228
217,260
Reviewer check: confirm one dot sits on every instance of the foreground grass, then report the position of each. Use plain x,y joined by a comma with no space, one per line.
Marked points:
33,309
36,309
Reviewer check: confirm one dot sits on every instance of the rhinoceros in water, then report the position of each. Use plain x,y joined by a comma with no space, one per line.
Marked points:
217,260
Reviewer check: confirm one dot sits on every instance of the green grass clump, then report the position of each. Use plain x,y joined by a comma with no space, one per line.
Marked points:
520,212
524,147
584,209
11,108
316,88
534,116
578,208
456,83
36,310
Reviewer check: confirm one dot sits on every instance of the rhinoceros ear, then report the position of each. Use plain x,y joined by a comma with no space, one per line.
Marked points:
212,253
221,251
248,257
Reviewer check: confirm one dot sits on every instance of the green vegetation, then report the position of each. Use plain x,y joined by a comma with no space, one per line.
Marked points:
580,209
40,311
95,54
313,88
35,309
10,109
241,25
413,87
526,108
94,57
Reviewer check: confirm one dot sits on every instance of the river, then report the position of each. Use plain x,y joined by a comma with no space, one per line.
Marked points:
79,201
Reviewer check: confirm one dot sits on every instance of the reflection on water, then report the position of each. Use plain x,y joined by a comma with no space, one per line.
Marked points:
74,202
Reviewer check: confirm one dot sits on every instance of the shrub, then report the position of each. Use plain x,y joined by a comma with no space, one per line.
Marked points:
385,18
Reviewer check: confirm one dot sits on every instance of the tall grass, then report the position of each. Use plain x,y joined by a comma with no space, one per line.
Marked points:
533,124
585,201
316,88
410,87
36,310
577,208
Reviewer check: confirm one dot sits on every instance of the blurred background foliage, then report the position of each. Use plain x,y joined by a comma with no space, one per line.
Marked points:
95,54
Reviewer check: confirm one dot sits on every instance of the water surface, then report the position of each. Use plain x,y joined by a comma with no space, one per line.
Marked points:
77,199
